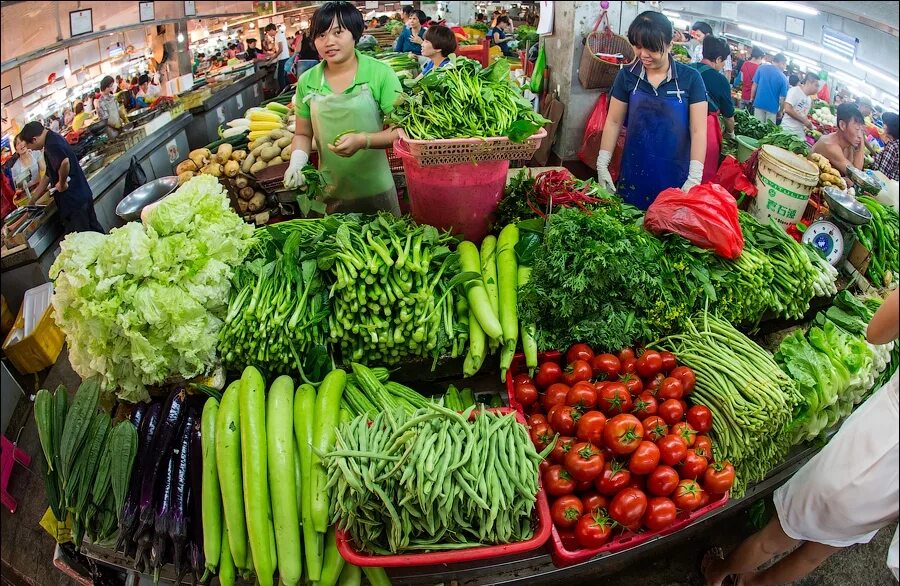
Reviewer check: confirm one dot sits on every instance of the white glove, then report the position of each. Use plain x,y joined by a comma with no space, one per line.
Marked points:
603,176
695,175
293,177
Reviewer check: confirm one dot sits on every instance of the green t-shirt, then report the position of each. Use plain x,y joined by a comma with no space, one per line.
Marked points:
381,79
718,91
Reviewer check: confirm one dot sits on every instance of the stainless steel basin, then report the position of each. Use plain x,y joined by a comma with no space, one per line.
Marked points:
130,207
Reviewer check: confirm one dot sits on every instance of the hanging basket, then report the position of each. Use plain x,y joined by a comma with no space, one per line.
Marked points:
600,56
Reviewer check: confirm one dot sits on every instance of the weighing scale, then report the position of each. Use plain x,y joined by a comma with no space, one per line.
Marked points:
833,234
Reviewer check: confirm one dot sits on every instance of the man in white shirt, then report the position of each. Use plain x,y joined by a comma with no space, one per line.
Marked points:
282,50
797,104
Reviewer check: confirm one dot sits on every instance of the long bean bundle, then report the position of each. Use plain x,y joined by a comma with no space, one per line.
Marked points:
432,480
751,398
465,101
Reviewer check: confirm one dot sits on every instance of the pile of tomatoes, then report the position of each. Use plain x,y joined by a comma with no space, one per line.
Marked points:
629,450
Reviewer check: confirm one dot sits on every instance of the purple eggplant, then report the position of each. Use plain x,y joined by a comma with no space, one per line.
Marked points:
163,443
138,413
162,513
178,517
198,561
146,435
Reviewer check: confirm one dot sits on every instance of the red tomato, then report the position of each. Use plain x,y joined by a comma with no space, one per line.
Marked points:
652,384
660,513
623,433
593,530
703,446
662,481
687,433
579,352
577,371
687,378
582,395
556,395
557,481
526,393
629,366
541,436
547,374
704,499
606,366
668,360
561,448
687,495
628,506
670,388
638,481
565,511
626,354
655,428
567,537
693,466
684,405
644,459
536,419
594,502
671,450
671,411
700,418
542,467
718,478
633,383
584,462
583,486
649,363
521,378
590,427
615,477
614,399
563,419
645,405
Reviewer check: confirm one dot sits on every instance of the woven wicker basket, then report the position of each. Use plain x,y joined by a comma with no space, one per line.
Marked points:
470,150
595,72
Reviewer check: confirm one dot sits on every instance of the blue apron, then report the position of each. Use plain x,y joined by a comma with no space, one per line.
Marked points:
657,146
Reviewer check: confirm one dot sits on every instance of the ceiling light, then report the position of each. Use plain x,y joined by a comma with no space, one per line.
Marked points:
877,73
821,50
671,14
680,23
762,31
766,46
793,7
180,38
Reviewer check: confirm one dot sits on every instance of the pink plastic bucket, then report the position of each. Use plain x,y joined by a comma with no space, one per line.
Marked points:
461,197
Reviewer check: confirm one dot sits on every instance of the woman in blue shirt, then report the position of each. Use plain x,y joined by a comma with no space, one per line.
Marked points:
499,37
718,99
663,104
439,43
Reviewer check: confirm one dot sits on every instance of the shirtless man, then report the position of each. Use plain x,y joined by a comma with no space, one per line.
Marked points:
844,146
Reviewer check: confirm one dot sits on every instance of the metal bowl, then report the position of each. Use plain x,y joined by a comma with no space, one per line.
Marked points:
130,207
868,183
846,207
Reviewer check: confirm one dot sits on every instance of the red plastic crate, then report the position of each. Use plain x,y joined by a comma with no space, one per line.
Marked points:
542,532
518,366
563,557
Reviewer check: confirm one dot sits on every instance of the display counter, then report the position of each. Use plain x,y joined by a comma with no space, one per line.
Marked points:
227,100
158,153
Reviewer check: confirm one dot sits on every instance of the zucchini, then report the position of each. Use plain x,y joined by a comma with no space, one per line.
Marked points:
283,478
211,501
228,465
327,417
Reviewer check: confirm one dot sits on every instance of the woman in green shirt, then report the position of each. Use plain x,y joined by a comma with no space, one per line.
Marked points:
718,99
342,102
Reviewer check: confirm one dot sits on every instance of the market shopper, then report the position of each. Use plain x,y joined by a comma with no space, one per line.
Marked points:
769,89
281,51
748,71
840,497
887,160
28,165
73,196
80,116
844,146
699,31
499,36
664,104
108,107
797,104
412,35
718,100
439,43
342,102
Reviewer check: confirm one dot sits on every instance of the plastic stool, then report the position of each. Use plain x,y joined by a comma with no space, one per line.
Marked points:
10,455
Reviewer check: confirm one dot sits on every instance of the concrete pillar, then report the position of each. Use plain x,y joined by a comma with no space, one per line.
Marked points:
571,22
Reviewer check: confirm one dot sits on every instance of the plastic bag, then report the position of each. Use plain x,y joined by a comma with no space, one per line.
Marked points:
731,176
135,177
537,76
707,216
593,131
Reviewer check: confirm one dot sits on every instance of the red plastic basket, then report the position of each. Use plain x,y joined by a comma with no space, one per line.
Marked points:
563,557
518,366
542,532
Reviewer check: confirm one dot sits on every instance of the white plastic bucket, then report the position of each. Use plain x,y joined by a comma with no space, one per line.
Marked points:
784,182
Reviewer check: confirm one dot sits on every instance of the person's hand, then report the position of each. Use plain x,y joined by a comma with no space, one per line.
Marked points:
603,176
293,177
348,144
415,38
62,185
695,175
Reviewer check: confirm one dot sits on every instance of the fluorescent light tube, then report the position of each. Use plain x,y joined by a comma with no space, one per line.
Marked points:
793,7
763,31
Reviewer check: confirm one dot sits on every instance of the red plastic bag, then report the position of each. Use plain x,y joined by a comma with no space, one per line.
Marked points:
731,176
593,131
707,216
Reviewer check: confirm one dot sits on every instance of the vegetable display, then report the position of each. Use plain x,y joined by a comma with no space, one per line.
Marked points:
465,101
786,140
881,237
828,175
146,302
434,479
745,124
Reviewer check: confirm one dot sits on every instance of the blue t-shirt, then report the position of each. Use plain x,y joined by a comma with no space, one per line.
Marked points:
428,67
772,85
682,81
404,44
78,192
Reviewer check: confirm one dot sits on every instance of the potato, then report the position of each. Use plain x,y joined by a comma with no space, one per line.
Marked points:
241,182
185,166
213,169
246,193
242,205
255,152
200,157
224,153
239,155
286,153
257,202
258,166
248,162
184,176
276,134
269,153
275,161
283,142
231,168
259,142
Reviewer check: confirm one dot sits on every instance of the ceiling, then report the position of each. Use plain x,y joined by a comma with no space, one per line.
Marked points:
884,16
